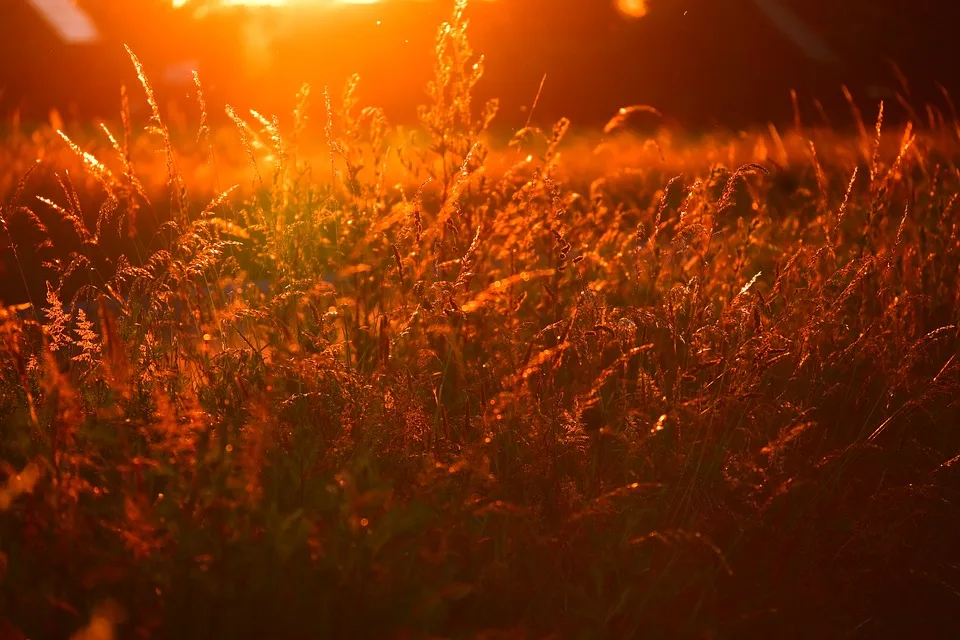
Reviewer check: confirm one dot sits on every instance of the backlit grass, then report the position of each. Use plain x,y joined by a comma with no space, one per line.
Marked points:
408,383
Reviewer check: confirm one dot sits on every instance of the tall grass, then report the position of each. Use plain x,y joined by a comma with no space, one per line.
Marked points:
424,388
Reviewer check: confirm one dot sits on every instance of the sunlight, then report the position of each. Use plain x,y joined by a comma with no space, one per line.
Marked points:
288,3
276,3
255,3
632,8
324,319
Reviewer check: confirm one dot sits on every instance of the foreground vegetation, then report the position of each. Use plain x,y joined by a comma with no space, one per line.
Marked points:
426,389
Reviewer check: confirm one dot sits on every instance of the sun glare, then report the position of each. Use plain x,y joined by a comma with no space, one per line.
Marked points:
632,8
255,3
276,3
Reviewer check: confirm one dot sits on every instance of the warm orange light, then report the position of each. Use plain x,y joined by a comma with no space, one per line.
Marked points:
255,3
284,3
277,3
632,8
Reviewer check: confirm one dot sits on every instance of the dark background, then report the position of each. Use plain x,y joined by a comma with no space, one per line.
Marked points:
701,62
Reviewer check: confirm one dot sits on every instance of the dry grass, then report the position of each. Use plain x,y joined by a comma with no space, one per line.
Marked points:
405,385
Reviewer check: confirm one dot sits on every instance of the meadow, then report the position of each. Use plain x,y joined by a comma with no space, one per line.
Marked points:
415,382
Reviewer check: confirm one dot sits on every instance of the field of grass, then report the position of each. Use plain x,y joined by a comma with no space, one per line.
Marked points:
416,384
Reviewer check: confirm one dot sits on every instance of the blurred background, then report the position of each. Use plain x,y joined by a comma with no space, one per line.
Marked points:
701,62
